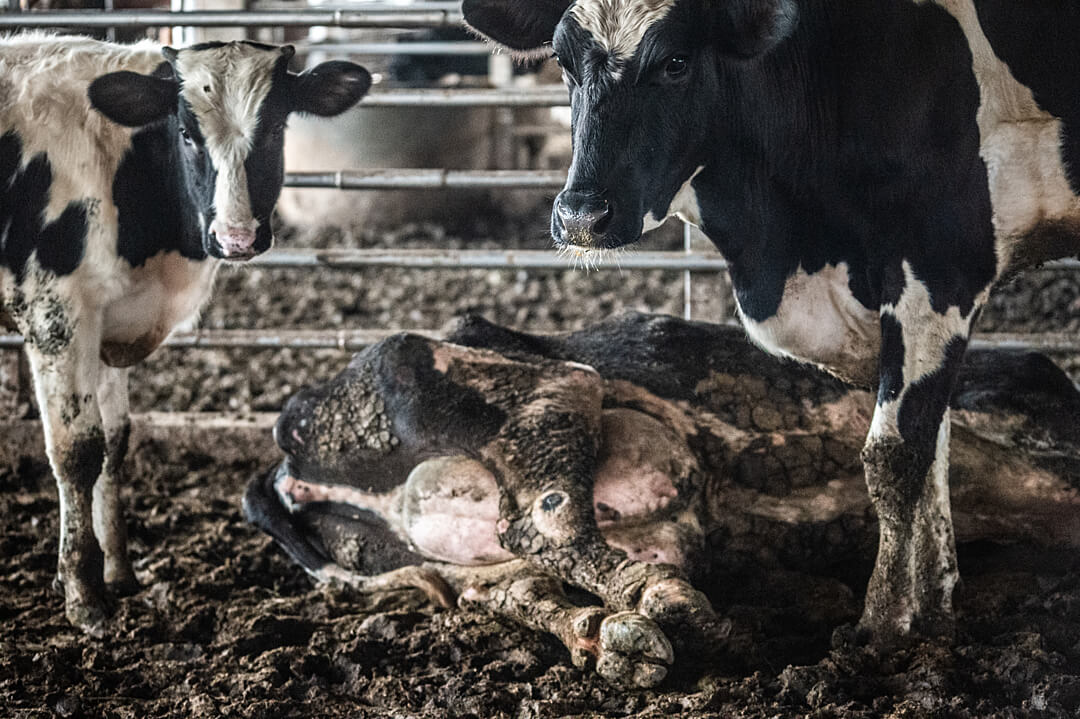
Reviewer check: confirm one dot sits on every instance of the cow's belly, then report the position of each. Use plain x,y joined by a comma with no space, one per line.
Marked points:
820,321
164,293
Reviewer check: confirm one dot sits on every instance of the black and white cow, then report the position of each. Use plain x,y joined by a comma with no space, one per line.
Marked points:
126,174
491,468
868,169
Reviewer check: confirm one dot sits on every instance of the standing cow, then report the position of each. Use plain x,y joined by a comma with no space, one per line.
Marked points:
127,173
868,169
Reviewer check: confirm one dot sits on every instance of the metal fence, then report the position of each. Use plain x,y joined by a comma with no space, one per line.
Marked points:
406,16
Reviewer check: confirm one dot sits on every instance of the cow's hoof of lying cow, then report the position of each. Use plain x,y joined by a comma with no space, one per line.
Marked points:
631,650
687,615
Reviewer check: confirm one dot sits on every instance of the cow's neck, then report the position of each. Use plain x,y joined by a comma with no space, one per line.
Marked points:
156,210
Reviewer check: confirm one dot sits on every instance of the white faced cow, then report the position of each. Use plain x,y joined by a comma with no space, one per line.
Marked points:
126,174
868,169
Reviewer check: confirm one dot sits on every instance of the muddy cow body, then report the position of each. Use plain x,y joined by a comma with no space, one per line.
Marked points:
491,468
869,170
127,173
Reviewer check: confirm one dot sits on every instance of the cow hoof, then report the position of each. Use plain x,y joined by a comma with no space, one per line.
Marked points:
87,617
632,651
123,584
687,616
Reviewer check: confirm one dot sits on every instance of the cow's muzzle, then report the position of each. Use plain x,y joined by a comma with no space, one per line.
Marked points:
236,244
581,218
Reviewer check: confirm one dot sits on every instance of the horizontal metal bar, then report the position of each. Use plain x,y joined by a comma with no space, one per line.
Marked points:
376,16
348,340
353,340
542,96
351,259
396,48
421,179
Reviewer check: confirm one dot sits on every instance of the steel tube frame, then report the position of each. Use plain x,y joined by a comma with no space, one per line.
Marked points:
395,48
351,259
544,96
426,179
376,16
354,340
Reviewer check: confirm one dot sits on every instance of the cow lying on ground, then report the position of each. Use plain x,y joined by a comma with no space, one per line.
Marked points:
868,169
127,173
494,466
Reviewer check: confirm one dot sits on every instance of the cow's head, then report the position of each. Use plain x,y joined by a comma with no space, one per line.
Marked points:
224,106
644,91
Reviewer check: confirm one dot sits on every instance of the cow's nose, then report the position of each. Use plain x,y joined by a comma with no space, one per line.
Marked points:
583,215
236,243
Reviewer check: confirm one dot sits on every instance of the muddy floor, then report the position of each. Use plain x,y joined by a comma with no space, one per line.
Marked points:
224,625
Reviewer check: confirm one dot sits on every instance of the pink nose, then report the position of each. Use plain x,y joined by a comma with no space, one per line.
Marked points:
234,241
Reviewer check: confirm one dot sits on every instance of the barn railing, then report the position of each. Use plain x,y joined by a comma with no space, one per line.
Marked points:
398,16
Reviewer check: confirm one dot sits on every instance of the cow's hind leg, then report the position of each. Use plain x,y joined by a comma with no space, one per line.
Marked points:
109,525
624,647
906,459
65,364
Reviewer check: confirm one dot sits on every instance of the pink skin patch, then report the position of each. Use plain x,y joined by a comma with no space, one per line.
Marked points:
451,510
624,490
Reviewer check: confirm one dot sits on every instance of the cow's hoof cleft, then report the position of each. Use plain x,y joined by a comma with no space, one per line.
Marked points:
633,651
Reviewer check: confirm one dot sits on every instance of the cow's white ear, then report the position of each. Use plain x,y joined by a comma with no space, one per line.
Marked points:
329,89
133,100
523,27
748,28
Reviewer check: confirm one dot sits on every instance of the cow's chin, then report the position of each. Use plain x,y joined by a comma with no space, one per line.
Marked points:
592,249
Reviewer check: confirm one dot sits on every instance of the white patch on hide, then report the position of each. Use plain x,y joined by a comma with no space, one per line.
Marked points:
225,87
820,321
1019,142
619,25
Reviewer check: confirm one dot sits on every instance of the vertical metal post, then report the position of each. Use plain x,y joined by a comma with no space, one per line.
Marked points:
501,76
9,384
688,289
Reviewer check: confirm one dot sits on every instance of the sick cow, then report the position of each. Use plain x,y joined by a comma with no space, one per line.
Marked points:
868,169
486,469
127,174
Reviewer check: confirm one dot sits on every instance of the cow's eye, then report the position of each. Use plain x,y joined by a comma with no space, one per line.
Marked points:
676,66
186,136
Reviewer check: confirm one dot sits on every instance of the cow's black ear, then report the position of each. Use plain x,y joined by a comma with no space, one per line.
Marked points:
524,27
748,28
134,100
329,88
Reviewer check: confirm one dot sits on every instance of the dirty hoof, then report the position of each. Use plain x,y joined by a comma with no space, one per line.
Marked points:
122,584
632,651
87,617
686,615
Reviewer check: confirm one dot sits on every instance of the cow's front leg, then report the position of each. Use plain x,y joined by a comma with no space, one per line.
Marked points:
906,459
65,367
547,517
623,647
109,524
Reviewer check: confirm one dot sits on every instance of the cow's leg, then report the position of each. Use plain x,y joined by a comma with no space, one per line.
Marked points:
109,525
623,647
552,524
906,459
65,364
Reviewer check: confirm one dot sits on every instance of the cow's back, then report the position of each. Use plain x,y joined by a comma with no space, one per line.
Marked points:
58,156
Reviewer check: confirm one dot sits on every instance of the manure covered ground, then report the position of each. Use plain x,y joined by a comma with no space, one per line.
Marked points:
225,625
